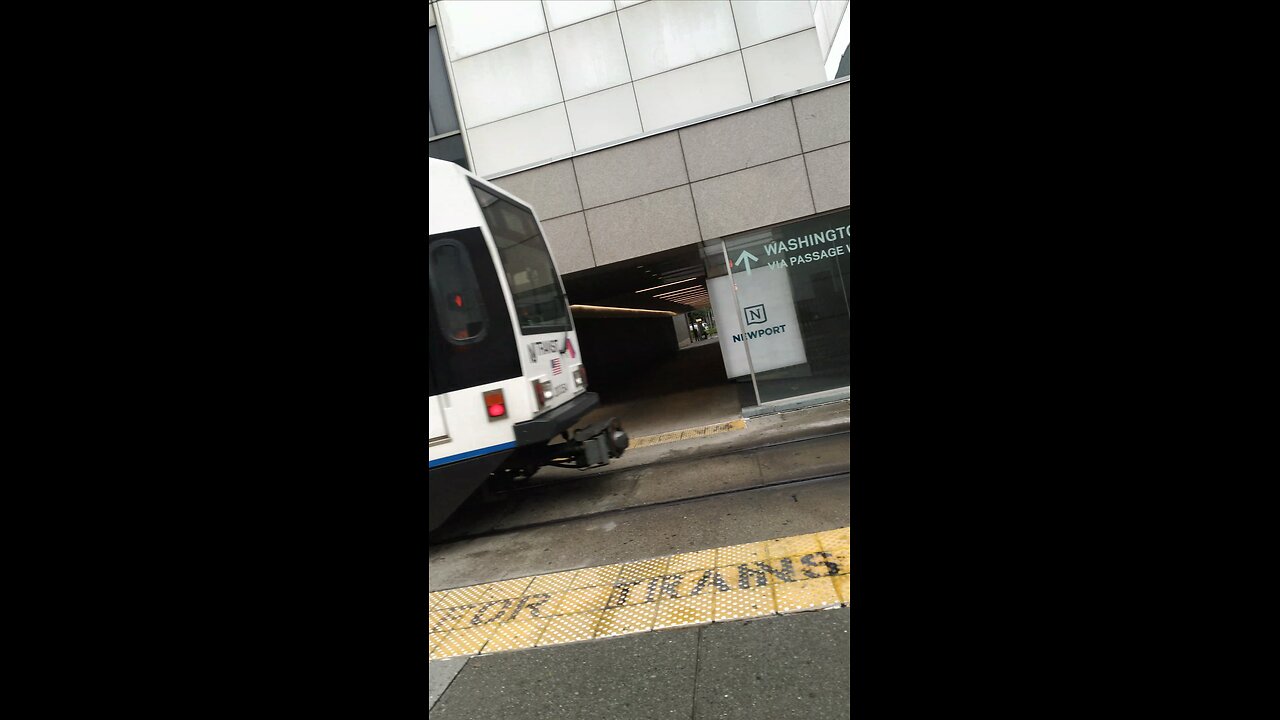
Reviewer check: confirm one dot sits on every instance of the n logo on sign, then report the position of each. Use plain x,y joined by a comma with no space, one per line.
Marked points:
755,314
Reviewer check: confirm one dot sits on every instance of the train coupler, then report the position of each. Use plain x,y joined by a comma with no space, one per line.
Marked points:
591,446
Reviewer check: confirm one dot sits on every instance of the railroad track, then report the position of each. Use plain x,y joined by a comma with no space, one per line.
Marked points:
824,477
516,489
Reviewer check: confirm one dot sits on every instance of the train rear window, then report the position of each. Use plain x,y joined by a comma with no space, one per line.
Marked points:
456,294
539,299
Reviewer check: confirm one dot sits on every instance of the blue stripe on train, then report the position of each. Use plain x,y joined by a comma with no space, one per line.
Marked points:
471,454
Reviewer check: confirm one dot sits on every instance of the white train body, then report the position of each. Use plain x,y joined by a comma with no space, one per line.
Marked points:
506,373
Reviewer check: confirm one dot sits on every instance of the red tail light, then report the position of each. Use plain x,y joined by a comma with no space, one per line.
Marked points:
537,393
495,404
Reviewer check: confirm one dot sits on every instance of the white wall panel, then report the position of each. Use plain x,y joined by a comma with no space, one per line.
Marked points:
838,45
604,117
507,81
824,32
827,21
760,20
783,65
589,56
472,27
521,140
628,3
692,91
661,35
564,12
832,11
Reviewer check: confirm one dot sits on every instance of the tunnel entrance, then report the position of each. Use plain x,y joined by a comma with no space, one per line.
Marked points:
650,345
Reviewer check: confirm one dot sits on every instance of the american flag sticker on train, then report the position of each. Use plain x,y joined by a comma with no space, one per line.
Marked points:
555,366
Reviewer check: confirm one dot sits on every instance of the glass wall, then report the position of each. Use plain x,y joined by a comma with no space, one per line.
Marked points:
443,132
782,301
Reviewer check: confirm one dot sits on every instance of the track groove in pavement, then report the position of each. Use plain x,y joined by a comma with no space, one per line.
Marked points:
673,461
650,486
642,506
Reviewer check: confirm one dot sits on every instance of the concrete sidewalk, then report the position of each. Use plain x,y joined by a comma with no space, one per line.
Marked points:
777,667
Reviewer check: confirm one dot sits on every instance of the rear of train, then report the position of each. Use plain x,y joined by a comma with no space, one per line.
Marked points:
506,376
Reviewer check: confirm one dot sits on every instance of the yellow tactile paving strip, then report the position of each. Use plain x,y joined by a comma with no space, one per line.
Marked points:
782,575
675,435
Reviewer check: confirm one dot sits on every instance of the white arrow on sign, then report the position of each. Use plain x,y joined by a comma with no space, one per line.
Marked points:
745,257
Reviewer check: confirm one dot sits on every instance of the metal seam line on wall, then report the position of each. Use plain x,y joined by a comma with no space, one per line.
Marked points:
671,128
683,184
550,30
442,32
740,48
555,65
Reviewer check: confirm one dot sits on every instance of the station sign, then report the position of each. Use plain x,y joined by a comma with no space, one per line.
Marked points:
788,252
763,313
768,321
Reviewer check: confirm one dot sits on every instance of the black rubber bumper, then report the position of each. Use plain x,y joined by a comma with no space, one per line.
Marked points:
541,429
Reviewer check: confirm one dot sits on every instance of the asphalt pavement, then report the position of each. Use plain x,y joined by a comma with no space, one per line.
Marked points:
778,475
776,667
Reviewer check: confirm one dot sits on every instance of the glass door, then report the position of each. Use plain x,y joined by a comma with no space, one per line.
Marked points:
781,297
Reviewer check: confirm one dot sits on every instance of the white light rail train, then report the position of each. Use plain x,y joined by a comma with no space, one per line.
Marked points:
505,370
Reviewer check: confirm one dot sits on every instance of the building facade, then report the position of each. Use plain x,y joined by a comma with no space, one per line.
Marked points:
682,155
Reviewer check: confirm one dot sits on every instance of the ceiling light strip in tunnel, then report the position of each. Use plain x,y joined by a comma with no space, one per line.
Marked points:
655,287
683,291
685,297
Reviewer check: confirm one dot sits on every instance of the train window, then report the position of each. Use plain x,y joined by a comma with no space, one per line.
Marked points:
492,354
456,291
540,302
